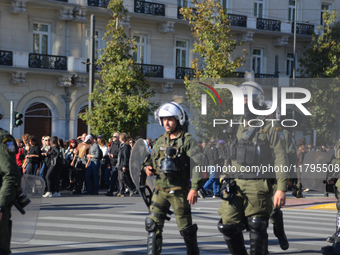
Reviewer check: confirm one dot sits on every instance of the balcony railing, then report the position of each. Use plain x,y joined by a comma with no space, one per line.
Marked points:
237,20
267,79
303,29
180,16
62,1
268,24
98,3
6,58
181,72
47,61
149,8
152,70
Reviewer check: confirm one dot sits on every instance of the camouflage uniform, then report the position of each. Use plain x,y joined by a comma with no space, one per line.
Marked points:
9,184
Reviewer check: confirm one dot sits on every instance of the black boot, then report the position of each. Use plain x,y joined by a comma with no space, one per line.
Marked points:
258,236
233,238
189,234
278,228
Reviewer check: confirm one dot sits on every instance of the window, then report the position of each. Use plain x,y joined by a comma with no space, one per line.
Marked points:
257,61
183,3
291,10
258,8
88,44
139,55
290,64
181,53
224,4
324,8
41,38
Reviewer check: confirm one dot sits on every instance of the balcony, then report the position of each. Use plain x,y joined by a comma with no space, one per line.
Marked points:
268,24
180,16
303,29
149,8
62,1
267,79
237,20
6,58
47,61
181,72
152,70
98,3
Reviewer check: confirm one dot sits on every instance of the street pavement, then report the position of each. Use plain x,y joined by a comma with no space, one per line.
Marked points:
111,225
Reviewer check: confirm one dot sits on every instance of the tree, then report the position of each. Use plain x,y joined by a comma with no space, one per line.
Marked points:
214,44
321,59
121,97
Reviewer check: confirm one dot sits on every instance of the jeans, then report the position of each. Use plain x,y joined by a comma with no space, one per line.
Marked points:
31,169
213,183
92,170
42,171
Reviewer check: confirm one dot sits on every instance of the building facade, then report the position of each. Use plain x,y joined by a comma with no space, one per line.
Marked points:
44,51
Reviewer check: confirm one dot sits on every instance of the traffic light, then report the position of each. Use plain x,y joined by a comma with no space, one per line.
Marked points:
17,119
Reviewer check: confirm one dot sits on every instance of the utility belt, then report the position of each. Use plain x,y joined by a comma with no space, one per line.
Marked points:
247,153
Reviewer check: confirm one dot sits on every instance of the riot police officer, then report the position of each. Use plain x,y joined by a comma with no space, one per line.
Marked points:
251,204
9,184
335,239
170,162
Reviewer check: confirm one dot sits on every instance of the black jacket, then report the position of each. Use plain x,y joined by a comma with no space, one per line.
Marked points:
212,155
114,151
124,156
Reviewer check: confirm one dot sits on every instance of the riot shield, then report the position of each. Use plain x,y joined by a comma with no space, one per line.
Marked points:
24,225
315,169
143,183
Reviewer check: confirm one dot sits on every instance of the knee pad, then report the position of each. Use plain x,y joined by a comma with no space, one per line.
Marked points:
189,231
150,225
257,224
228,229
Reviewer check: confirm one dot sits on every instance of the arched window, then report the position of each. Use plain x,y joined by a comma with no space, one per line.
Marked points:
38,120
82,127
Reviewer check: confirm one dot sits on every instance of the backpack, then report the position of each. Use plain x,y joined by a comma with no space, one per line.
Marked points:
100,155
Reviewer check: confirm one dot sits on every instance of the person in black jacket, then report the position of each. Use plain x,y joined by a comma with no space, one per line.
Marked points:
115,145
123,166
33,156
52,175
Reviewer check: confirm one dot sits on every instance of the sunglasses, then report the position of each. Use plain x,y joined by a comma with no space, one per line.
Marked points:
115,136
47,140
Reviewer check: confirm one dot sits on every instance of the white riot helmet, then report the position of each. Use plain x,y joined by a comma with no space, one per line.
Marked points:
171,109
255,89
277,113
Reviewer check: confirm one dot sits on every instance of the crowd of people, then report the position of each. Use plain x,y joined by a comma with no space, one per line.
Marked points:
82,166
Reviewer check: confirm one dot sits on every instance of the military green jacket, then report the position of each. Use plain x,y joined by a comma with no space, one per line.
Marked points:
271,134
185,145
10,180
291,150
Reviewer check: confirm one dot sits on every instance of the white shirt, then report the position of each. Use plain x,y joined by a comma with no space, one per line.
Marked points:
105,150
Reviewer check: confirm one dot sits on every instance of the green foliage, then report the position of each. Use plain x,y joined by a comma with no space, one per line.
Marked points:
214,44
321,59
121,97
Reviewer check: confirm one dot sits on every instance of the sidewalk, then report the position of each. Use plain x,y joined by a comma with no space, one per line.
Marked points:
312,200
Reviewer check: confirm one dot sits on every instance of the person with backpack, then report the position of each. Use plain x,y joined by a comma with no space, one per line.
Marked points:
92,166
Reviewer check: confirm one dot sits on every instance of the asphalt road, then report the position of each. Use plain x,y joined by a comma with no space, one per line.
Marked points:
110,225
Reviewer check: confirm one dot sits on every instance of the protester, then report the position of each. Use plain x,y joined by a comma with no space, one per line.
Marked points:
104,162
92,166
112,168
33,156
52,174
69,155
